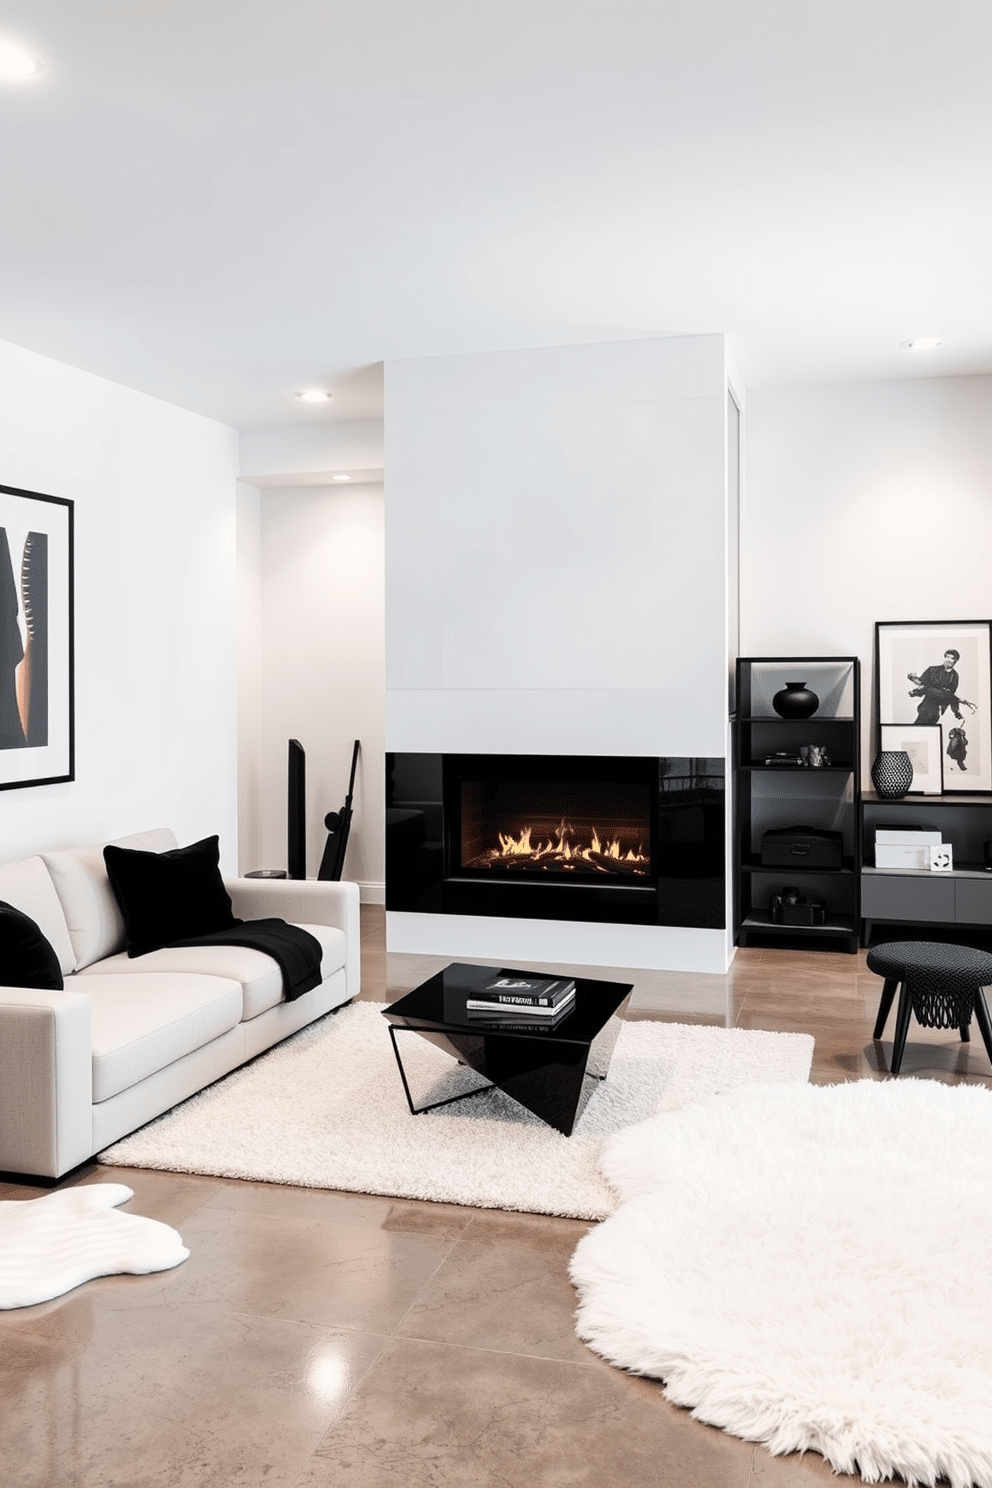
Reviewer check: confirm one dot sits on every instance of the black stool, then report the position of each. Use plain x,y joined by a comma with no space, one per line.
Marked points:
941,984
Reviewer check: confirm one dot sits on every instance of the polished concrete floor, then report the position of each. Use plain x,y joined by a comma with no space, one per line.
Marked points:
319,1338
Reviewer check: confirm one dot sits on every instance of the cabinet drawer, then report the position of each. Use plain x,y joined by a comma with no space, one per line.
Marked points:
973,900
907,898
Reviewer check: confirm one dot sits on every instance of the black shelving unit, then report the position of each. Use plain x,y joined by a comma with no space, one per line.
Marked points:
768,796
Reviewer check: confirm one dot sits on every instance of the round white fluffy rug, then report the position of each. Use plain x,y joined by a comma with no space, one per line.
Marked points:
809,1267
326,1109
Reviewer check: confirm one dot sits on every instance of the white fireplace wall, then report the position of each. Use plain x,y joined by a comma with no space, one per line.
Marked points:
556,549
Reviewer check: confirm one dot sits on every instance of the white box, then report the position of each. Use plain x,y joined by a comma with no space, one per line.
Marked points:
904,857
907,837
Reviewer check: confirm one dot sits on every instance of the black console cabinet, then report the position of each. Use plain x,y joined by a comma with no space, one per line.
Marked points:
918,897
794,795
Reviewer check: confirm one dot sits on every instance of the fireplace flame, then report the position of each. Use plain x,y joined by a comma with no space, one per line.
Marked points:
561,848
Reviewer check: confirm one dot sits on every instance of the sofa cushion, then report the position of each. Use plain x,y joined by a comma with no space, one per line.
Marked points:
260,977
140,1024
170,895
26,957
27,885
96,925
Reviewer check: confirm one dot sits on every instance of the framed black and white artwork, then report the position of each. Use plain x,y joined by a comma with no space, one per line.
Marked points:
923,743
36,639
938,673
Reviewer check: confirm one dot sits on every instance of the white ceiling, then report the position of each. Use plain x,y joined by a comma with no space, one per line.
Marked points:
218,201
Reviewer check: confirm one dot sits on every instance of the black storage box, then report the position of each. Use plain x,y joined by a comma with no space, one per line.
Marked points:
801,847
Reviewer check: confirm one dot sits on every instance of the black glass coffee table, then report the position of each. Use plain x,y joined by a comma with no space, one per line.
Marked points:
550,1071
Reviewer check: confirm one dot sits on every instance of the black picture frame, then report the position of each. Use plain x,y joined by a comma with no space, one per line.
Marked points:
37,684
940,672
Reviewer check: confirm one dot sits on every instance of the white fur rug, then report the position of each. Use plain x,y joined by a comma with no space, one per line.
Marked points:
326,1109
809,1267
52,1244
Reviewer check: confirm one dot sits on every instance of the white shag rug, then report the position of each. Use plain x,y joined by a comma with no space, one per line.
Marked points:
809,1267
52,1244
326,1109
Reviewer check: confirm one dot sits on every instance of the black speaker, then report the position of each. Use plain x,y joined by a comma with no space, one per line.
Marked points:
296,811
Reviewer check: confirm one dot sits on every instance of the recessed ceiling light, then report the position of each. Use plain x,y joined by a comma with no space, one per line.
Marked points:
921,343
16,64
341,477
314,395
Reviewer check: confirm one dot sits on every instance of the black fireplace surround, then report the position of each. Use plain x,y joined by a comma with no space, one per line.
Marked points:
614,839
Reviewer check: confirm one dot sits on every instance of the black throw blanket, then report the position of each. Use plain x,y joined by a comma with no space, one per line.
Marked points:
297,951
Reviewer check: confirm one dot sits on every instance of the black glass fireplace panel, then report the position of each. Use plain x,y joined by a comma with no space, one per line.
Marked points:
430,839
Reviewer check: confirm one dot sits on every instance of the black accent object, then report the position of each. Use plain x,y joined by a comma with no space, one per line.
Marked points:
27,958
550,1071
297,952
941,984
795,700
296,811
338,824
804,847
790,815
792,908
165,897
892,773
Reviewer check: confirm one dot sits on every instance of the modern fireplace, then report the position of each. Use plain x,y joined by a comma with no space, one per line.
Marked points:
627,840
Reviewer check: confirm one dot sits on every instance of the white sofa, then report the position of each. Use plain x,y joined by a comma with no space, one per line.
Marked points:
128,1038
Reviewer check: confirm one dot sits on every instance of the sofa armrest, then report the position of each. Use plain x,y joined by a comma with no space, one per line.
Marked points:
308,902
46,1081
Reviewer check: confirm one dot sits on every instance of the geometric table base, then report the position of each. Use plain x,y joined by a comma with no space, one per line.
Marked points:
552,1073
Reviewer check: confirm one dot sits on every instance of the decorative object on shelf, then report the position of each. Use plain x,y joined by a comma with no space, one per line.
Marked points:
941,858
792,908
892,773
905,847
795,700
938,673
36,690
922,742
802,847
814,756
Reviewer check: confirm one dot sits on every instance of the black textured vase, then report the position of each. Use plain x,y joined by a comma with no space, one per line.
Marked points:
892,773
795,701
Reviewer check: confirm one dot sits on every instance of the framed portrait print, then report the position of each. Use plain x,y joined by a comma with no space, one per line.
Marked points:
922,742
36,639
938,673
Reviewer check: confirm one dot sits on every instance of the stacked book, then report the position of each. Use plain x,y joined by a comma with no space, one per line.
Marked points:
522,1002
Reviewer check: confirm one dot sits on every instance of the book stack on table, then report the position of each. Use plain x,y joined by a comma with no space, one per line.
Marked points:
515,1001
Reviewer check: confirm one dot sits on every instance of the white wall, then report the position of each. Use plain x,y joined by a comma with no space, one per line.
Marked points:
319,560
249,628
865,502
154,494
556,549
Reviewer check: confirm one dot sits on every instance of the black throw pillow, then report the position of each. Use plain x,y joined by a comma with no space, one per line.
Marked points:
169,896
27,959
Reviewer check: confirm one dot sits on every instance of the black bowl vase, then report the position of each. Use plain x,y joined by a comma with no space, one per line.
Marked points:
892,773
795,701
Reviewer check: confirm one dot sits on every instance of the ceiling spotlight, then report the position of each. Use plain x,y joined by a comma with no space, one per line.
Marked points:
921,343
16,64
341,477
314,395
